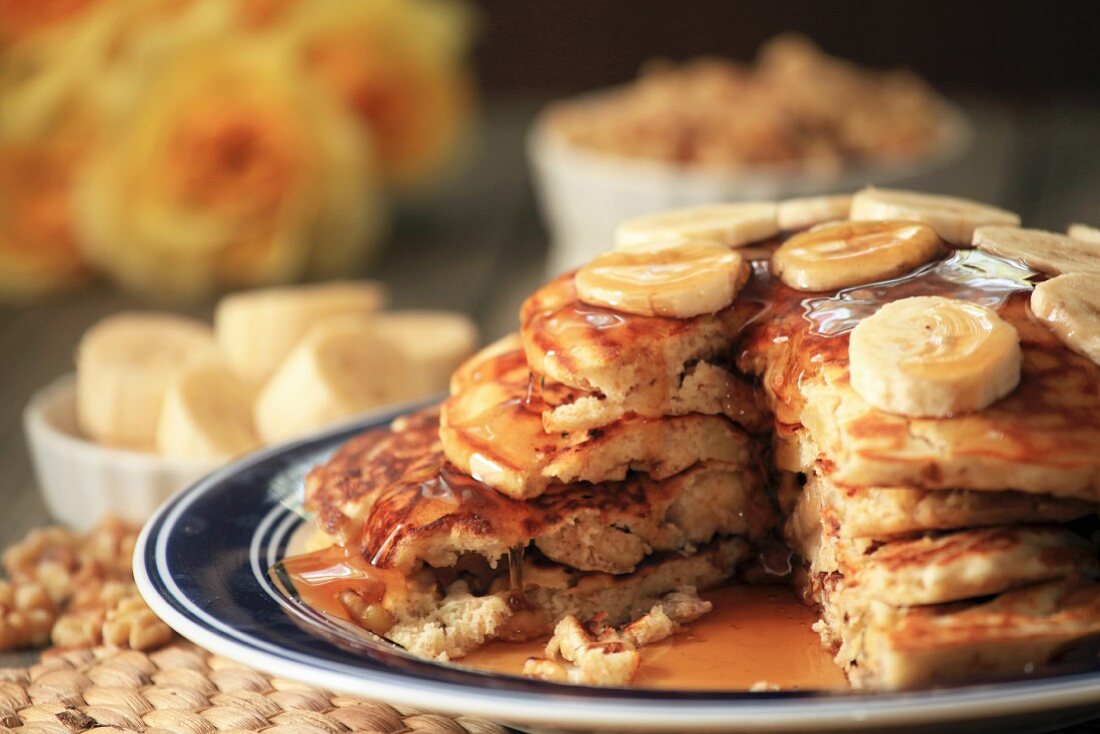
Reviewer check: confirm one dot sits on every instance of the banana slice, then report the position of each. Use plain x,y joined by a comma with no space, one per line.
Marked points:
258,328
679,282
434,343
341,367
1070,306
933,357
207,414
123,367
1084,232
732,225
1047,252
843,254
953,219
803,213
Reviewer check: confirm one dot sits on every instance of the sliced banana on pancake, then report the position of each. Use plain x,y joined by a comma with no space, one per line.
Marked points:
807,211
124,365
953,218
732,225
1047,252
1084,232
1070,306
207,414
679,282
930,356
844,254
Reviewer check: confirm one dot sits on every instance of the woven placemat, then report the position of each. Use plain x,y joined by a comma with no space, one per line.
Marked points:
182,688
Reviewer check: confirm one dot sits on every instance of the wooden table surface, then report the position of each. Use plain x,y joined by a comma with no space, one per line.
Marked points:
478,246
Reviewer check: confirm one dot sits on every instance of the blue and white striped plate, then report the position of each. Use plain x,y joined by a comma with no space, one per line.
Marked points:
201,564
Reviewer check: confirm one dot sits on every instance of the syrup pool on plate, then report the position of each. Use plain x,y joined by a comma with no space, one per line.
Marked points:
754,635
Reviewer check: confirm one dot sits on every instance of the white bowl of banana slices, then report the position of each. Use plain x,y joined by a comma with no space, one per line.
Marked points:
82,481
160,400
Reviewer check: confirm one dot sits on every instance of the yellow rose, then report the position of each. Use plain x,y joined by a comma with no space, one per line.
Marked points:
83,52
38,253
21,19
398,64
226,169
258,14
67,67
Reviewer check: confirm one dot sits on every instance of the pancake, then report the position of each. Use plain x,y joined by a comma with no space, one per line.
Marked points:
704,387
1021,632
447,621
882,512
428,557
946,567
433,513
342,490
493,431
635,361
1044,437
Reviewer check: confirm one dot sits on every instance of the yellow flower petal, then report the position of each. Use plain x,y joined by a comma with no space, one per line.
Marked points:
224,171
398,64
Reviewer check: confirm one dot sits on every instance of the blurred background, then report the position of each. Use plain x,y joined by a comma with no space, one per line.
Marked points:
159,153
1021,51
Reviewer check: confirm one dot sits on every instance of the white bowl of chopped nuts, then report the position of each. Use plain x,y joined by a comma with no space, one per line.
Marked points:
796,123
81,481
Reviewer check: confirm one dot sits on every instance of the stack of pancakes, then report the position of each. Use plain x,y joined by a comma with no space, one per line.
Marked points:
593,463
927,567
600,459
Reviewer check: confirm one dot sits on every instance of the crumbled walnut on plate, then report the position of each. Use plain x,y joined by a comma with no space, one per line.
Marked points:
596,654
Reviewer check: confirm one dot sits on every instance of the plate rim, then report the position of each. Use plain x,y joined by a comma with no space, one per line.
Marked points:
765,711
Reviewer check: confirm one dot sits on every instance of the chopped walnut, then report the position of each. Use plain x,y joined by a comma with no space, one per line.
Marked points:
796,107
132,624
82,623
110,547
76,591
684,605
64,561
595,662
47,556
78,629
665,618
597,654
371,617
127,622
100,596
549,670
26,615
651,628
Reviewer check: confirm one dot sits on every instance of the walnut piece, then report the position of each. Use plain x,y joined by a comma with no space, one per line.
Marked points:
132,624
371,617
26,615
596,660
76,591
597,654
64,561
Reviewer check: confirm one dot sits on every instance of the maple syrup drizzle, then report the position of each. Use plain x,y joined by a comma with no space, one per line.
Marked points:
319,577
969,275
515,572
